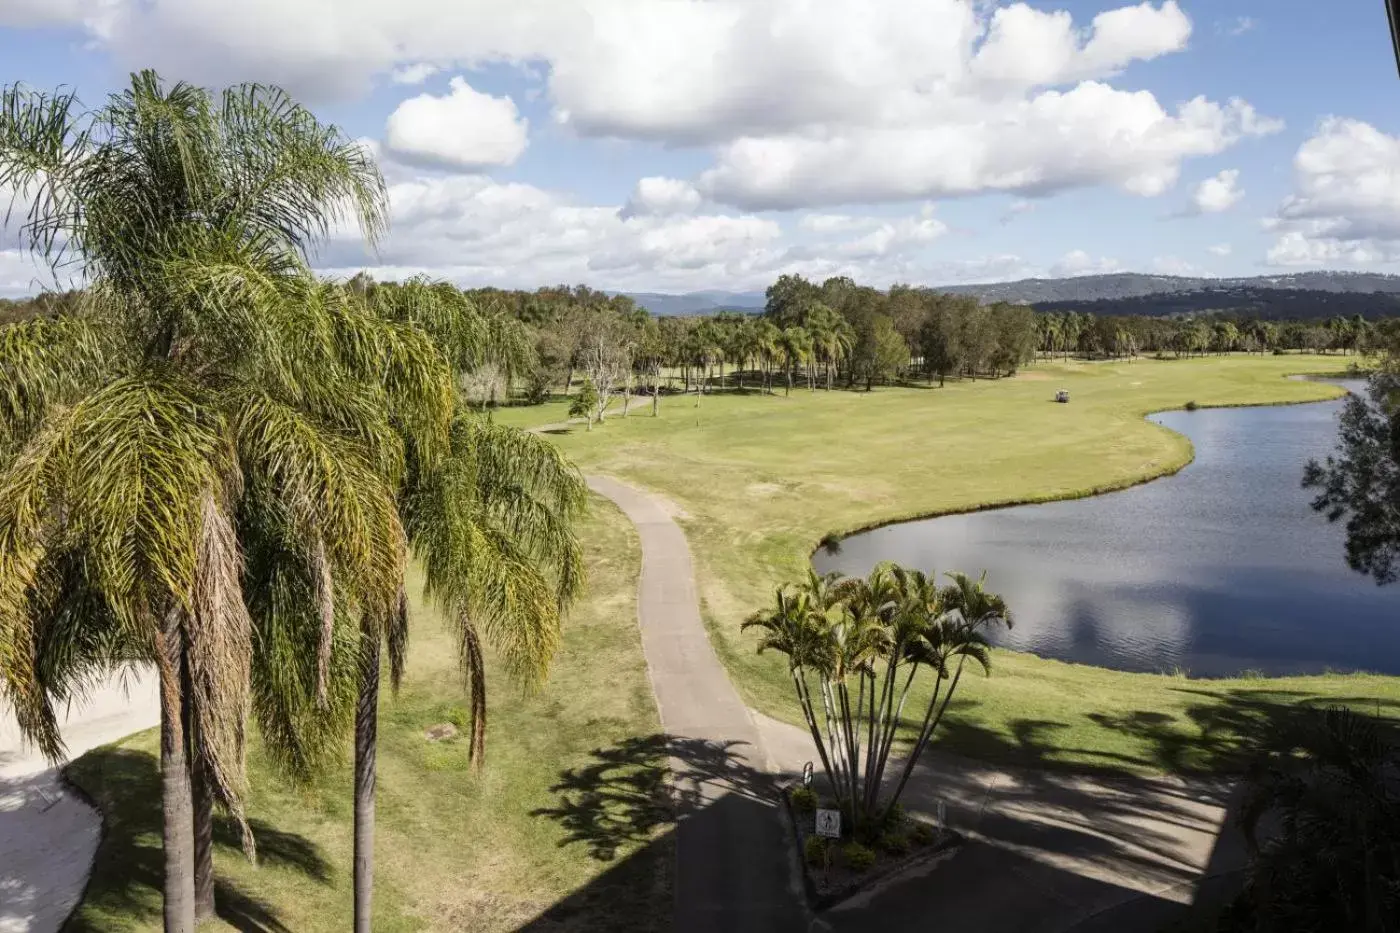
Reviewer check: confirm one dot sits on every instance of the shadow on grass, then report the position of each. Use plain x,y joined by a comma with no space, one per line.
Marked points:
128,870
1216,733
650,795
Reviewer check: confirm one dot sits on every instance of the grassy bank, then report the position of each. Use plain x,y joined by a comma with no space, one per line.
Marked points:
500,850
761,479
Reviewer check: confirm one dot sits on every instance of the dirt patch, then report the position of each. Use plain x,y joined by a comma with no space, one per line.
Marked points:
763,489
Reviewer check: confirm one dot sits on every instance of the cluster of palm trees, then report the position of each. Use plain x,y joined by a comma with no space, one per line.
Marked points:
855,647
701,347
216,464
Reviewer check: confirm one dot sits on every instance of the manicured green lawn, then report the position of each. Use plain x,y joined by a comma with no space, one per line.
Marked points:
761,479
456,850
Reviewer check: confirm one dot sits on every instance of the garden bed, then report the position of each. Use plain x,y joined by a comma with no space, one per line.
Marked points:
834,870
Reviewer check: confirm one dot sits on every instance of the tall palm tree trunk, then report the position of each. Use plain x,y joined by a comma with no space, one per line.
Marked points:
177,833
366,748
202,797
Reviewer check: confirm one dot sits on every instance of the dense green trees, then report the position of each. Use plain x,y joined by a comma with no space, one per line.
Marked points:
1322,813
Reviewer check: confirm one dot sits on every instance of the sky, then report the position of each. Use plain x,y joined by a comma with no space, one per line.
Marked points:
680,145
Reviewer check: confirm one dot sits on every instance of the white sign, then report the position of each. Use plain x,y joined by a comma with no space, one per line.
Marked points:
829,823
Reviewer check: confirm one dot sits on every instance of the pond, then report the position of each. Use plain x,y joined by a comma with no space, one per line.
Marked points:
1219,569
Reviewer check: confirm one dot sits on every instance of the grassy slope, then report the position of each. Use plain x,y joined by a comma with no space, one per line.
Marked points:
762,479
455,850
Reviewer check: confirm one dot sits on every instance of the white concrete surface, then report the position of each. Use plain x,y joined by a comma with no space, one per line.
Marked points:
48,835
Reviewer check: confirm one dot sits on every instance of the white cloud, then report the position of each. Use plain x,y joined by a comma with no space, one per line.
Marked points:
1027,47
1173,265
807,103
833,223
1237,26
661,196
465,129
1089,135
1220,249
473,230
1016,209
894,238
1217,193
1078,262
1346,202
416,73
21,274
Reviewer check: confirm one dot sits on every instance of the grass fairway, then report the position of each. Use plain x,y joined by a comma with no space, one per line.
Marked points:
761,479
456,851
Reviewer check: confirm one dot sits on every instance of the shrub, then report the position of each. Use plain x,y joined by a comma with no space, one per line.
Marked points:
895,818
803,799
537,387
815,851
895,842
922,834
857,857
1278,351
1191,406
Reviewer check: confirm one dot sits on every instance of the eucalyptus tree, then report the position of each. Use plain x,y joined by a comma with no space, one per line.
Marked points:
855,648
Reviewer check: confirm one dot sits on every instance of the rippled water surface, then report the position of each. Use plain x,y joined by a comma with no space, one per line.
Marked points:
1219,569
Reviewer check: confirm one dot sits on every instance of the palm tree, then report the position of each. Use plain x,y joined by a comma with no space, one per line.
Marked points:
796,347
201,377
213,444
768,345
864,641
491,520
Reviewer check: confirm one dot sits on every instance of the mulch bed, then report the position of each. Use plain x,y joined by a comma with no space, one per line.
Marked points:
832,878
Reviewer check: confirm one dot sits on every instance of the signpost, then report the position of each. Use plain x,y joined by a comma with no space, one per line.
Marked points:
829,824
807,775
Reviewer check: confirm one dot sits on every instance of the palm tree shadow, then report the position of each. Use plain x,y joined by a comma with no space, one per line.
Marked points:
624,807
631,791
128,870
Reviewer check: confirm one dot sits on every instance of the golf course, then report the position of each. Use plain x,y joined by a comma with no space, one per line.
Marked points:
757,482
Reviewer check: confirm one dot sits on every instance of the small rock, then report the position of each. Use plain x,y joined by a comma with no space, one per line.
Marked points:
441,732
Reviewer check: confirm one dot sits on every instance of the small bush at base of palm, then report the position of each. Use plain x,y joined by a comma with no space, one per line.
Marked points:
803,799
816,852
857,857
922,834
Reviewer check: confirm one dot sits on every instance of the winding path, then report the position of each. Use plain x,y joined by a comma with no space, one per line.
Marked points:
733,869
1046,851
48,834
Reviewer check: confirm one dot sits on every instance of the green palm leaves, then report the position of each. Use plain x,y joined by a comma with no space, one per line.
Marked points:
218,464
854,647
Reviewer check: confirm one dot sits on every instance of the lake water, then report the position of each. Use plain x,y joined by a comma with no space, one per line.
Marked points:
1219,569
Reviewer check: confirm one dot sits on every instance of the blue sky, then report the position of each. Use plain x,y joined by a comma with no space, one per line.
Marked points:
926,141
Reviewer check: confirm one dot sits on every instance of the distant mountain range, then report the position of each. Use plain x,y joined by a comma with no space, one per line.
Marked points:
694,303
1121,285
1297,294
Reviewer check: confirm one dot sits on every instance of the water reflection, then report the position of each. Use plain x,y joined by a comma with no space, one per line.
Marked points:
1219,569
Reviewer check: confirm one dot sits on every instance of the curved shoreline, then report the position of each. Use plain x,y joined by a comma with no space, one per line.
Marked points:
1170,469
